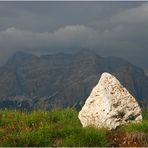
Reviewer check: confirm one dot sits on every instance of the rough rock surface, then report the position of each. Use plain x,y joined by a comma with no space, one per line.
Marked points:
63,80
109,105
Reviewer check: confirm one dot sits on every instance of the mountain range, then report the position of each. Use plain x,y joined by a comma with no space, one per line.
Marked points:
63,80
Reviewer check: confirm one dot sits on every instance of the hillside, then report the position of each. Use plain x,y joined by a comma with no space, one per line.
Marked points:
61,80
62,128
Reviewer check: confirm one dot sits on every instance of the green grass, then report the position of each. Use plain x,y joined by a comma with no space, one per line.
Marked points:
136,127
43,128
54,128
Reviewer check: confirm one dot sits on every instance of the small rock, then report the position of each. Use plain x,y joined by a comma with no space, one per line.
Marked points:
109,105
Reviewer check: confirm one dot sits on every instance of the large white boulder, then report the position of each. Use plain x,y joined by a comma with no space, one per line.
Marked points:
109,105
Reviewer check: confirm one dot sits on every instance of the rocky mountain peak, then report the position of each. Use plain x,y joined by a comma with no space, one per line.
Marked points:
64,79
19,56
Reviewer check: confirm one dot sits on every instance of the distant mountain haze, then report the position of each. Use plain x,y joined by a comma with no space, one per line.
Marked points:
63,80
146,72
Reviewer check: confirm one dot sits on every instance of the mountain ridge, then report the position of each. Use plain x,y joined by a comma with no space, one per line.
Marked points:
61,79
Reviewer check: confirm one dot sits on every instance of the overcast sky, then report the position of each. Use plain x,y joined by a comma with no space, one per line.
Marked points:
111,28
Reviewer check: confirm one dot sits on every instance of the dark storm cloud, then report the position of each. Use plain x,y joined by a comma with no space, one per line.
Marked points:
111,28
49,16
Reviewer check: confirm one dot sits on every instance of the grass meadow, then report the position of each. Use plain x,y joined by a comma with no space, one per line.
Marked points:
62,128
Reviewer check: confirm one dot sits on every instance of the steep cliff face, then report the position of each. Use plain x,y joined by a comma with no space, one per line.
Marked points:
62,80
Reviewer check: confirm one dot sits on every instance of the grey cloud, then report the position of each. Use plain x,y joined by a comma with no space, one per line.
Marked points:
69,37
132,16
120,32
129,33
49,16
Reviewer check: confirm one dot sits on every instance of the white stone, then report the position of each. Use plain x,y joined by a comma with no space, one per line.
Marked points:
109,105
